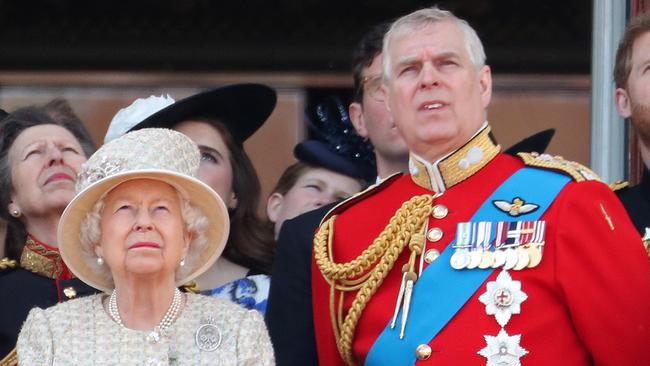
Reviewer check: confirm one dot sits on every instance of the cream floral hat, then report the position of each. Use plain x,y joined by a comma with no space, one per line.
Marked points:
152,153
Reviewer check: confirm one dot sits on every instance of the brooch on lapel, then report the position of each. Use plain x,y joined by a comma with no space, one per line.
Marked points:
208,337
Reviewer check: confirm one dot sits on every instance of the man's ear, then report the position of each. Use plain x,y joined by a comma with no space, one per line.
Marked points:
622,102
485,82
355,110
273,206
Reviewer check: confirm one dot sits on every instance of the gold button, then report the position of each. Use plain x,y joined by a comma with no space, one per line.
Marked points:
431,255
439,211
423,352
70,292
434,234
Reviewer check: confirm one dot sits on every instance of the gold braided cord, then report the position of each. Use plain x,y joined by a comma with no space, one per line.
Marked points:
369,256
405,227
7,263
11,359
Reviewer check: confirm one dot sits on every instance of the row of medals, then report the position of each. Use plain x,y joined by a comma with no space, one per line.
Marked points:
515,255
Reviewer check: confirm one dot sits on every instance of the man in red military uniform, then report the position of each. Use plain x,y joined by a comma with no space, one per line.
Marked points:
475,257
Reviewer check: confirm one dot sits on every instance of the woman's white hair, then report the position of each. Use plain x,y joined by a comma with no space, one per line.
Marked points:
193,218
423,18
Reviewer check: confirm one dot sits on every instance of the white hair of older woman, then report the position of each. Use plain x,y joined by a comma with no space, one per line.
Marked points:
193,218
423,18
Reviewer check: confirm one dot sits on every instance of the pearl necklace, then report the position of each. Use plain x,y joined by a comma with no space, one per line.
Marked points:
165,323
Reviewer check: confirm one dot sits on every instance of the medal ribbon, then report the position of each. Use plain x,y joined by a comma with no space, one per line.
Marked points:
439,281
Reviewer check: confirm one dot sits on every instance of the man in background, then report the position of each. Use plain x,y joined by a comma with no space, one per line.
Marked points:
289,313
632,98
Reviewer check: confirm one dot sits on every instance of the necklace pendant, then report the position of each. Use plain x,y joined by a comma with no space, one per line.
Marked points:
154,335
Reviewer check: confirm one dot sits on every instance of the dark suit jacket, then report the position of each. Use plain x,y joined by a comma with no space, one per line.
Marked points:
22,290
289,314
637,202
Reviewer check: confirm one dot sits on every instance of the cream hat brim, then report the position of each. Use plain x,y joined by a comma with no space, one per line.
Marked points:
197,192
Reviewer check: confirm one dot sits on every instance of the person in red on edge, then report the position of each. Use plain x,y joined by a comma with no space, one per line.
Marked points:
475,257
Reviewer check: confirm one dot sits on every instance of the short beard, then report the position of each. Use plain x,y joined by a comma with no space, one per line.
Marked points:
641,121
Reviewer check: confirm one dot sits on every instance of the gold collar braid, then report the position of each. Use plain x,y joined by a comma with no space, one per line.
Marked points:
456,166
39,259
368,271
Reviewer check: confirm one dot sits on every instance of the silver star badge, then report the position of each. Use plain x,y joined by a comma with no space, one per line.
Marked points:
503,350
503,298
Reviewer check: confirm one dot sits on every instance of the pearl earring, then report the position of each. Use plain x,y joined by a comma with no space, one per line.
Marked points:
100,261
182,263
15,213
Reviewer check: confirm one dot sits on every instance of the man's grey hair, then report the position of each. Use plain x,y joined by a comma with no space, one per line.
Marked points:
424,17
195,222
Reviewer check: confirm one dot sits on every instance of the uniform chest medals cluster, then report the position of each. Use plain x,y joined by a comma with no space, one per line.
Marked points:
510,246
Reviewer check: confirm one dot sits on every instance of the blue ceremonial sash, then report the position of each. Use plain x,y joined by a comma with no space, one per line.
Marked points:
441,290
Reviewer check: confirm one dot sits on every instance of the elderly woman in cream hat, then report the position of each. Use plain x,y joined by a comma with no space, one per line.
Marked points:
139,226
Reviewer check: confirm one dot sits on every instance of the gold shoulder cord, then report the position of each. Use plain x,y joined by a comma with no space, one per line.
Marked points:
368,271
11,359
7,263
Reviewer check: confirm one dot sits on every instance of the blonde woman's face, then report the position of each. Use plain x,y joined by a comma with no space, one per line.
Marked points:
142,228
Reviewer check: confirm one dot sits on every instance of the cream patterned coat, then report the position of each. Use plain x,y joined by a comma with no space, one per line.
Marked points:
80,332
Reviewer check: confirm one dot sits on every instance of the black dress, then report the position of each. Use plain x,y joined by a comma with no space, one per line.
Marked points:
289,312
41,279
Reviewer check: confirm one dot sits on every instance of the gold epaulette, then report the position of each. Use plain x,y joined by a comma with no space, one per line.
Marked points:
6,263
11,359
191,287
575,170
371,190
618,185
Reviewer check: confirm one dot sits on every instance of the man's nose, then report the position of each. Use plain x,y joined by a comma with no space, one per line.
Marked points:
429,76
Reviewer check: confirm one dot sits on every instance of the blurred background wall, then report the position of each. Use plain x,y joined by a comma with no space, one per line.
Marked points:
101,55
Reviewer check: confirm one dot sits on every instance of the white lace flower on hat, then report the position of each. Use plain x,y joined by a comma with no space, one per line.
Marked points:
503,298
503,350
137,112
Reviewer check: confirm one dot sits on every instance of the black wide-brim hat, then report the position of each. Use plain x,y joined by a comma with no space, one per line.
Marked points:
317,153
243,108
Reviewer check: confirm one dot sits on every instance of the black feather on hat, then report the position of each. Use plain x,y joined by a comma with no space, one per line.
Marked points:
336,145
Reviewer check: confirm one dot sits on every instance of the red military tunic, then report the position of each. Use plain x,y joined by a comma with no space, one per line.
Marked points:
588,299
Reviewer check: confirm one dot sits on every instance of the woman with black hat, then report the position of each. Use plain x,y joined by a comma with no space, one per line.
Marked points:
219,121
